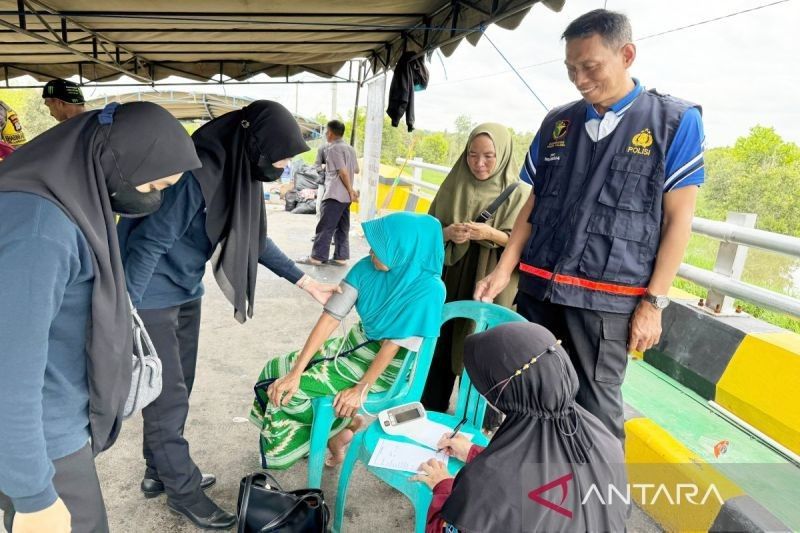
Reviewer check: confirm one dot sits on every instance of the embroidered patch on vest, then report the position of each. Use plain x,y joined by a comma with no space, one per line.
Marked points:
559,134
641,142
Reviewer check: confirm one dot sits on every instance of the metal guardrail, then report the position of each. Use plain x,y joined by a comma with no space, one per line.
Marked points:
735,236
732,233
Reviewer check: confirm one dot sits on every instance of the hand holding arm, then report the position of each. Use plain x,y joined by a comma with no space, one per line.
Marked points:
321,292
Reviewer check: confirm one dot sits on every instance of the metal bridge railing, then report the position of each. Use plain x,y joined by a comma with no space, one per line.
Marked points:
724,283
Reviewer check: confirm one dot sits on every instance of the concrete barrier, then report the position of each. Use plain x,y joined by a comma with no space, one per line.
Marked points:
749,367
655,458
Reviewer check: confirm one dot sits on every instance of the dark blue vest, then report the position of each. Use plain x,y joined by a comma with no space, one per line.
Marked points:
596,220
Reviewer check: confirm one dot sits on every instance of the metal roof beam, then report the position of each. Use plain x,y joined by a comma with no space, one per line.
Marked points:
98,37
68,48
150,15
218,29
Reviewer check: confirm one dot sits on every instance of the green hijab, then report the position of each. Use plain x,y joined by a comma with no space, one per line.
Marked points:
407,300
462,196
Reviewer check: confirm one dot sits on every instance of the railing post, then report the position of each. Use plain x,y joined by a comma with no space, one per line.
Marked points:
417,170
731,258
373,130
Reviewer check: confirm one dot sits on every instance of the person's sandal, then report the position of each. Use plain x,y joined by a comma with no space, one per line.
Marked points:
338,262
308,260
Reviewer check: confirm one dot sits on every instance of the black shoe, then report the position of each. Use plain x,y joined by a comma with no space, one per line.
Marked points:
155,487
204,514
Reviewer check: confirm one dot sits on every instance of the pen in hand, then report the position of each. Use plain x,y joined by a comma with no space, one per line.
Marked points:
455,432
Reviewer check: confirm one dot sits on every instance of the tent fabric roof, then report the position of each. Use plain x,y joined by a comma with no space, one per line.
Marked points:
197,106
150,40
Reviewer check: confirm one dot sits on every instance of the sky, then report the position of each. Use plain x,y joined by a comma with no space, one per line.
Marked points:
742,69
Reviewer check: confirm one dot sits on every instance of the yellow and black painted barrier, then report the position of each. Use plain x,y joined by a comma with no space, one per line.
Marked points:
683,492
747,366
399,197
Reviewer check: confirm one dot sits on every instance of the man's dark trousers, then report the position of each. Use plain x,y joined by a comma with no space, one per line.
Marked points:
77,485
335,223
174,332
596,342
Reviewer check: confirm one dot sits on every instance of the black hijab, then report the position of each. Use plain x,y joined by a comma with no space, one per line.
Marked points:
230,148
76,165
544,437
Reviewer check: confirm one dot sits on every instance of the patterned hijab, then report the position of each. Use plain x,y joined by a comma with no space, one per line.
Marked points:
407,300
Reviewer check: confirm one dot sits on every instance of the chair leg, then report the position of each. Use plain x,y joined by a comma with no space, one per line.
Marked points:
320,431
344,480
420,518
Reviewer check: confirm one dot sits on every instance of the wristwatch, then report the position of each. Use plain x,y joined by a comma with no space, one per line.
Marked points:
659,302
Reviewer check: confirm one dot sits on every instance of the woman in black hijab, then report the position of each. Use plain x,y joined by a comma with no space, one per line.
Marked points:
546,456
215,213
65,322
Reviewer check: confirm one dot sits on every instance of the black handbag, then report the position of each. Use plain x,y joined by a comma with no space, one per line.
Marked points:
266,508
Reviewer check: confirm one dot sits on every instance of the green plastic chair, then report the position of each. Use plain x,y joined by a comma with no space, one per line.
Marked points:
470,405
406,388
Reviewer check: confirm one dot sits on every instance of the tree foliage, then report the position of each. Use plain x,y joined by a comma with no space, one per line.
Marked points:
33,114
759,174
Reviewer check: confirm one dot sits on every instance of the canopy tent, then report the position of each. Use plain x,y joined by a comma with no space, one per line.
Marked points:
199,106
221,40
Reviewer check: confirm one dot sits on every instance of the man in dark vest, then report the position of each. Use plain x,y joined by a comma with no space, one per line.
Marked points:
599,242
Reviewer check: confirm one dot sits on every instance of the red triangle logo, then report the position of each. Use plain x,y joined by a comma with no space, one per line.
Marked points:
562,482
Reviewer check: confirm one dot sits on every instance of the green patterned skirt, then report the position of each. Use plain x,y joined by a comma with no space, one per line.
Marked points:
286,431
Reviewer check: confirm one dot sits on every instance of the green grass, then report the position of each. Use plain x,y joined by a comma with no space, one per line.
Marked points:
310,156
428,176
762,269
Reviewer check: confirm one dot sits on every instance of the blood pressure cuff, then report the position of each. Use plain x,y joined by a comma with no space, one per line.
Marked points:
340,304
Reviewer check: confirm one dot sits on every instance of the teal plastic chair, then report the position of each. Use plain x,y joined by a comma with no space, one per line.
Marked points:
470,405
407,388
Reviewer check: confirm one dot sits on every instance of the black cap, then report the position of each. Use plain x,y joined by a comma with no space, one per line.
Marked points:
64,90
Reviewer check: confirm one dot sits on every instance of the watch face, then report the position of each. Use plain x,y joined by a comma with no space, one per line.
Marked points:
662,302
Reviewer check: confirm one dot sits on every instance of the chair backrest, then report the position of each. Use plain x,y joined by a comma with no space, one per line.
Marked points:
470,404
418,364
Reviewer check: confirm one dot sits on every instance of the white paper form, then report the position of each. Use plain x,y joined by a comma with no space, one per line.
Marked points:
402,456
427,432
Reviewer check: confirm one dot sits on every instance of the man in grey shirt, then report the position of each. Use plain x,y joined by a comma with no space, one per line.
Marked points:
340,169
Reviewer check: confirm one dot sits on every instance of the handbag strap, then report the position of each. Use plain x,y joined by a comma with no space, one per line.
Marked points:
281,518
139,334
487,214
268,477
343,354
248,484
262,386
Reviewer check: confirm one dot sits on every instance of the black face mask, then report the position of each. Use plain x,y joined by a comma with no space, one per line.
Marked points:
266,171
127,202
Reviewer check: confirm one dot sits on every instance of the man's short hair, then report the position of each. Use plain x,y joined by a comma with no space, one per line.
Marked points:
614,28
336,127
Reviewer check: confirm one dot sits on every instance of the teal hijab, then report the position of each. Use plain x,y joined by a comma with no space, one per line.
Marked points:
407,300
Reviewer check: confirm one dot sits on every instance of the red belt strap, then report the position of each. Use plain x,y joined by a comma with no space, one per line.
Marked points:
584,283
